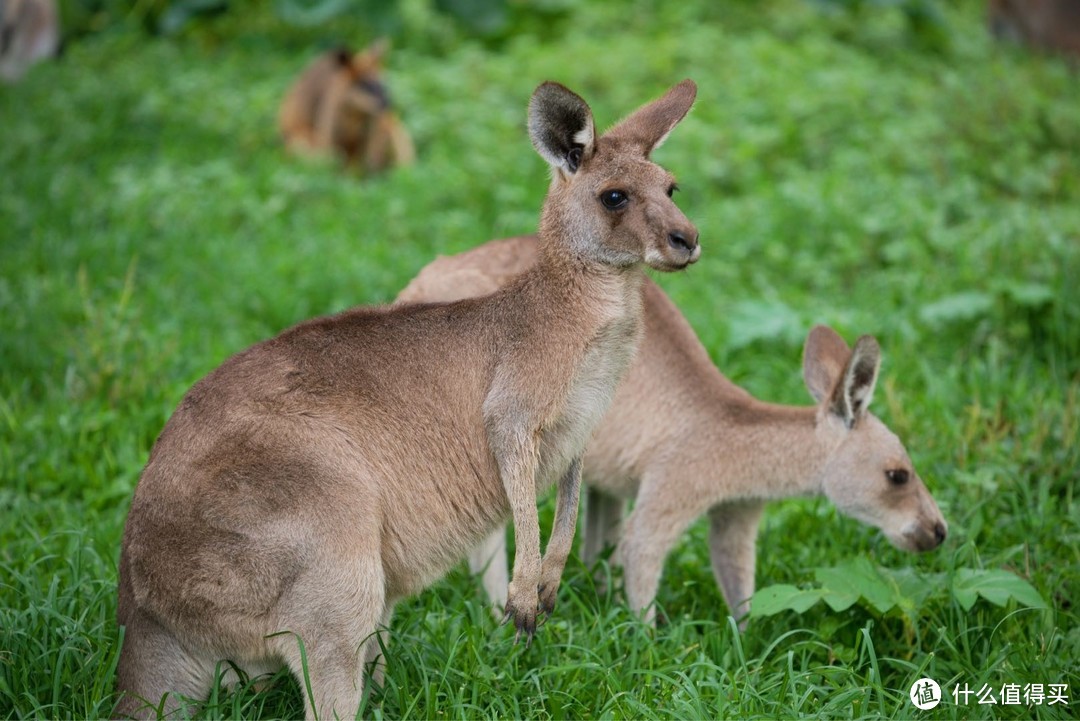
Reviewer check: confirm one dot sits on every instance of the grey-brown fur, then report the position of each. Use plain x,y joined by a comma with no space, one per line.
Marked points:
316,478
682,440
1052,25
29,32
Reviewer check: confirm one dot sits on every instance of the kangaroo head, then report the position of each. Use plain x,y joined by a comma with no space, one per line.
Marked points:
868,475
367,94
608,201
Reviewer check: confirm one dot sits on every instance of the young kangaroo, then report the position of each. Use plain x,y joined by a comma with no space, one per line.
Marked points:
313,480
340,105
1047,24
682,440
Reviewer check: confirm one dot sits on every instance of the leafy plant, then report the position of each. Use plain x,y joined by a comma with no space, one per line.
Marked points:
884,590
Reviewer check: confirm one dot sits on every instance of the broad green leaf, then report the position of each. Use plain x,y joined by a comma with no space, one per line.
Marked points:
783,597
996,586
754,320
1029,295
957,307
860,577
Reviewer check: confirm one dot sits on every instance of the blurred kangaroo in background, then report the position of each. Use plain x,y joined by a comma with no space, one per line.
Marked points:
1052,25
313,480
29,31
339,105
682,440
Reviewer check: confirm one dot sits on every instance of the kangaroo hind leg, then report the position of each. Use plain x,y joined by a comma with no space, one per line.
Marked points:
156,673
329,621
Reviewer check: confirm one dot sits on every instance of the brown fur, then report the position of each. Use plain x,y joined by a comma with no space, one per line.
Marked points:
339,105
682,440
29,31
1052,25
313,480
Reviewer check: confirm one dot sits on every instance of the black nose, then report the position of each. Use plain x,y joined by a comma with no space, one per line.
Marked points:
678,239
939,532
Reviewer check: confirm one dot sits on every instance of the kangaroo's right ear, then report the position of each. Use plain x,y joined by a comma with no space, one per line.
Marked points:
824,357
369,60
561,127
852,394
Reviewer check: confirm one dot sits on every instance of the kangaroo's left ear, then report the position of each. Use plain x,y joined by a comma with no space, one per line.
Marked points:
648,126
561,127
853,393
824,356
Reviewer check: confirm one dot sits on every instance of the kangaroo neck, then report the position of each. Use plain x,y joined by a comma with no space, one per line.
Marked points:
782,450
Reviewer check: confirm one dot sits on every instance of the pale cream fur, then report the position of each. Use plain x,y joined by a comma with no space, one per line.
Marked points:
682,440
315,479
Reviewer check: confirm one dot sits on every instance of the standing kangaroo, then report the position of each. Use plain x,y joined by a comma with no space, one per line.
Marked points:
313,480
682,440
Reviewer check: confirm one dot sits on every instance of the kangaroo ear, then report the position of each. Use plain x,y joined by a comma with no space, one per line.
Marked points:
561,127
370,58
824,357
648,126
852,394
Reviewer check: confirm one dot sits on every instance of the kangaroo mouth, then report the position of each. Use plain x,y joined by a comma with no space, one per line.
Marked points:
673,259
921,538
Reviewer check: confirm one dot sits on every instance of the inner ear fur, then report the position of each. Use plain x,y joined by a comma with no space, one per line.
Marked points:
853,393
648,126
561,127
824,356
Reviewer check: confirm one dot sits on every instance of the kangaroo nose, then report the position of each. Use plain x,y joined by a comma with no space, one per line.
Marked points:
939,532
679,239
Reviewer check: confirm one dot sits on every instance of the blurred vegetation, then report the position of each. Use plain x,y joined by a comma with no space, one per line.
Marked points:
842,168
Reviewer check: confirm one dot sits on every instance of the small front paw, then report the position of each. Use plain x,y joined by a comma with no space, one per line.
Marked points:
548,594
521,607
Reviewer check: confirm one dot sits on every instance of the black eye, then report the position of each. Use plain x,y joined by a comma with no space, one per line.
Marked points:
897,477
614,199
672,189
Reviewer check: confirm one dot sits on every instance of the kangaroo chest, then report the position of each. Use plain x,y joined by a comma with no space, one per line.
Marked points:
590,392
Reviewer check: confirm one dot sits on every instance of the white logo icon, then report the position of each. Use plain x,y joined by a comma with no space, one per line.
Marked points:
925,694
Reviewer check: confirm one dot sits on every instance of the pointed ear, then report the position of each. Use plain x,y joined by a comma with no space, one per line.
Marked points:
824,357
561,127
371,57
853,393
648,126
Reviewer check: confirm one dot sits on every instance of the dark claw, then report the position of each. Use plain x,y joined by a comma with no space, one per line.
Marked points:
547,601
522,622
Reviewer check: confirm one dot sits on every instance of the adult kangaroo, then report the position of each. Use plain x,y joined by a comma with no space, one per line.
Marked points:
313,480
682,440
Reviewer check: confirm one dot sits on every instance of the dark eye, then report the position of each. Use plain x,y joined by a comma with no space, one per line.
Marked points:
897,477
614,199
672,189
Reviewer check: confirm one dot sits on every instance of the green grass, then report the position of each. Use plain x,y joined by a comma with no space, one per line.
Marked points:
839,172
